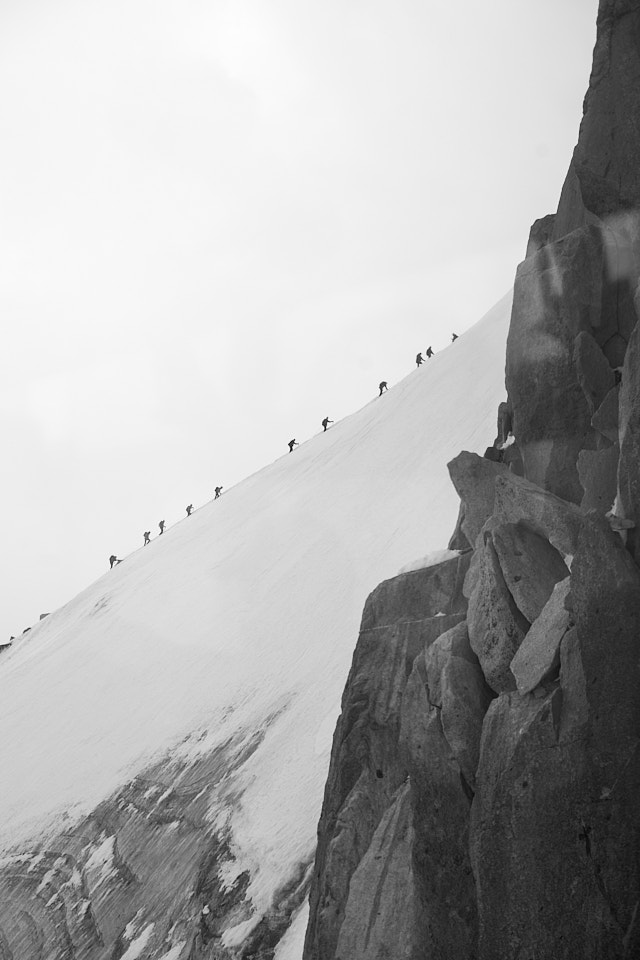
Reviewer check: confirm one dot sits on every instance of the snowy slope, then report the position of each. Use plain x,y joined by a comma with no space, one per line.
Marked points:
243,617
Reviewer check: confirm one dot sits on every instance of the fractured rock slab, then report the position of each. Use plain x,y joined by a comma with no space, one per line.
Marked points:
496,626
598,472
595,376
605,419
628,472
474,479
385,730
539,653
519,500
456,686
530,565
383,915
557,295
555,819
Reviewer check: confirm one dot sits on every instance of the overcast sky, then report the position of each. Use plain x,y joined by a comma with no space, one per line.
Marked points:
222,220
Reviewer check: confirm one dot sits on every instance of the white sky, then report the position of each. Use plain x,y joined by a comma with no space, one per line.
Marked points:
221,221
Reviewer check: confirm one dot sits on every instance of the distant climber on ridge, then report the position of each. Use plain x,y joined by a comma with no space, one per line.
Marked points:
112,559
147,537
419,359
325,423
217,491
189,509
383,386
161,525
454,337
429,352
292,443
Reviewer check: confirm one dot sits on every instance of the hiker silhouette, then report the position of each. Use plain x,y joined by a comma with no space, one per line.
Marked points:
325,423
189,509
383,386
419,359
112,559
161,525
292,443
147,537
429,352
218,491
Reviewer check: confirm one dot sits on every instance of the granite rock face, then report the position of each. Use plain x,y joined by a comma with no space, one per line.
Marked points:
514,742
390,763
555,821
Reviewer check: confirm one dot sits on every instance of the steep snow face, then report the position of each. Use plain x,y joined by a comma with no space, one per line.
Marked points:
242,619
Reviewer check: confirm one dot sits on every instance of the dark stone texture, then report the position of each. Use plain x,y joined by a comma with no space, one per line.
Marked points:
474,480
496,626
383,915
595,376
540,234
519,501
605,419
629,465
598,472
555,822
538,656
387,731
556,296
531,567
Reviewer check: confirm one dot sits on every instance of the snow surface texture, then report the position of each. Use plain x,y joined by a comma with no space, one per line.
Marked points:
247,610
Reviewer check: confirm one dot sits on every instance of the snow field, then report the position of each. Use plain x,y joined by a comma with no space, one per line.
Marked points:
247,610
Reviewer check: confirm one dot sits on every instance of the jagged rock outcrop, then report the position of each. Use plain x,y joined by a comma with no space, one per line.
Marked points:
393,770
555,825
548,798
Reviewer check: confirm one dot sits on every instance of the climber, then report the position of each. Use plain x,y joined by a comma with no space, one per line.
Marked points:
112,559
292,443
454,337
161,525
147,537
218,491
189,509
419,359
383,386
325,423
429,352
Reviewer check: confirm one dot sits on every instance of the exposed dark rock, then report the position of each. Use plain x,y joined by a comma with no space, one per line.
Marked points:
555,819
629,466
556,296
530,565
595,376
386,732
609,144
383,916
555,822
440,797
538,656
518,500
418,595
452,643
474,480
496,626
598,472
540,234
458,540
605,419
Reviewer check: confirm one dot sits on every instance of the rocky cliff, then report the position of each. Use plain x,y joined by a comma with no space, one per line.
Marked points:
482,798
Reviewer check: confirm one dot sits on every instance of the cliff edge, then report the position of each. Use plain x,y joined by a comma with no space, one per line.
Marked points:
482,797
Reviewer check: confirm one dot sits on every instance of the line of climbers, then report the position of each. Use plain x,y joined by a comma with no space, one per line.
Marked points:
114,561
382,386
